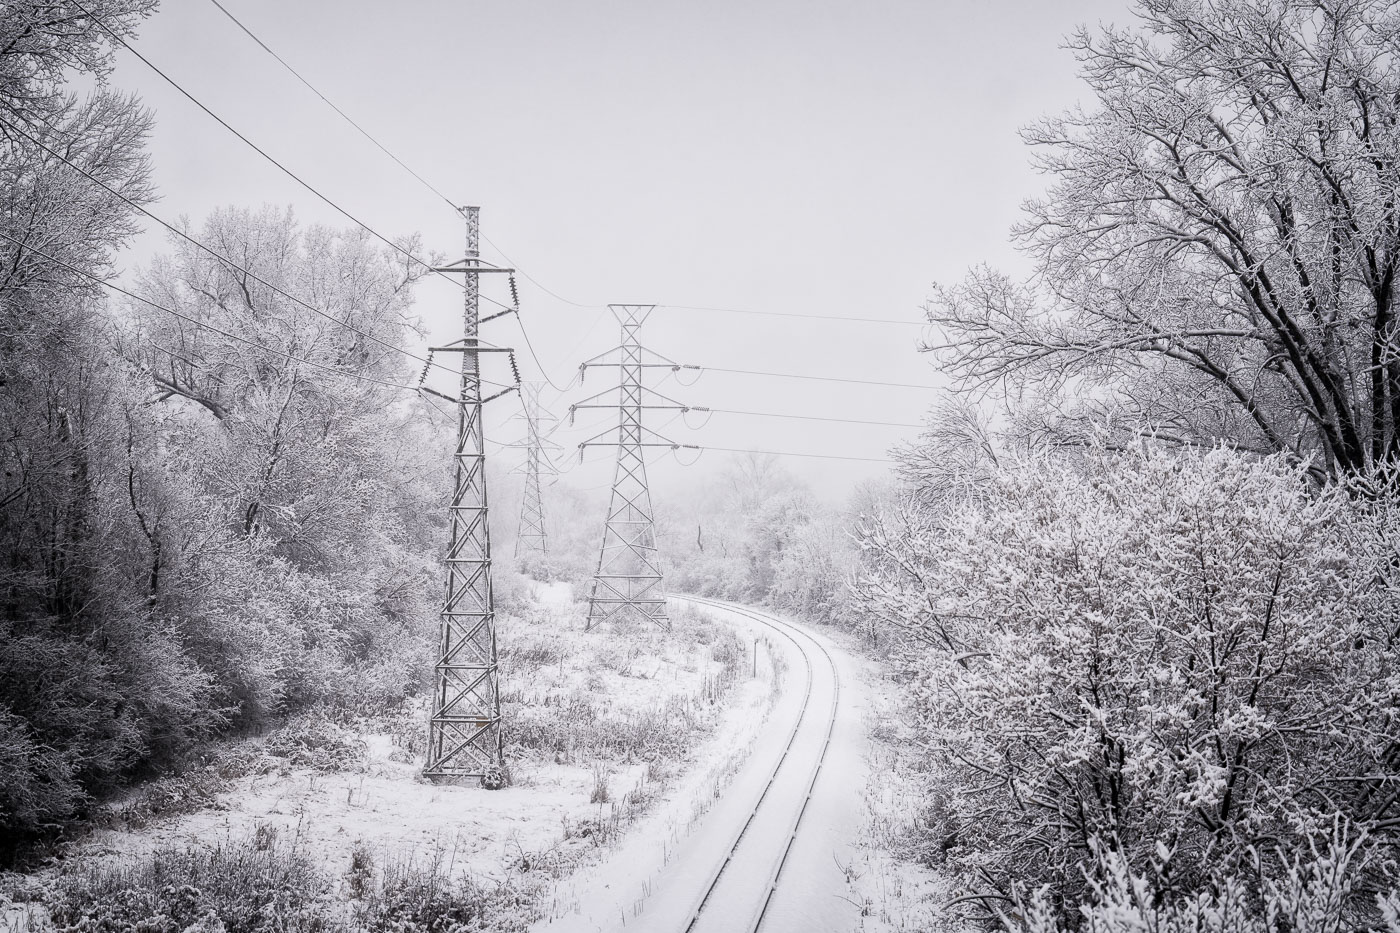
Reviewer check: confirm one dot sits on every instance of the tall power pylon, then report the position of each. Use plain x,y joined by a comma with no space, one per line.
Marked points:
628,580
464,730
532,537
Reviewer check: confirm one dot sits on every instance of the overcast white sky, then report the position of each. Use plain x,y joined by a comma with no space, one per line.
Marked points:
827,158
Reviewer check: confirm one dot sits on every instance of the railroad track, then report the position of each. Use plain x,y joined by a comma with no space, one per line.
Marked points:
774,852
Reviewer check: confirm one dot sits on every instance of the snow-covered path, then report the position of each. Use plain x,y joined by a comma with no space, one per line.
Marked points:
765,856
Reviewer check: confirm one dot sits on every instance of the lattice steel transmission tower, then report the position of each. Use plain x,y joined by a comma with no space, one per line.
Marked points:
628,580
532,537
464,730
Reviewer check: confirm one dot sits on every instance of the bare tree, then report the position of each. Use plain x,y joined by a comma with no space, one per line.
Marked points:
1217,255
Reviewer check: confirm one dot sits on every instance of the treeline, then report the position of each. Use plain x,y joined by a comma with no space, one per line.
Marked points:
212,501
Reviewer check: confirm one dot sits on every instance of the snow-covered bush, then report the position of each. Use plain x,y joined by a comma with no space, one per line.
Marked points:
313,741
1187,658
1312,894
238,886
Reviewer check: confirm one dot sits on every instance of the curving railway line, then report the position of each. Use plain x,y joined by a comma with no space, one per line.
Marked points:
768,856
754,851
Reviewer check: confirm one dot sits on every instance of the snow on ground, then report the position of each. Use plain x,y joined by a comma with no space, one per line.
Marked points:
612,685
897,894
615,888
831,878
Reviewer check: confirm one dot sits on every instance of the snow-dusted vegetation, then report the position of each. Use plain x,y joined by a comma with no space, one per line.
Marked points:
1174,667
1147,616
326,822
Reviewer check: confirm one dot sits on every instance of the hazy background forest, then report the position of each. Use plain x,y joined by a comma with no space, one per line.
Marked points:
1137,581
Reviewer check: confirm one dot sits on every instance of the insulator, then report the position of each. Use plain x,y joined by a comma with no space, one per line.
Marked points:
514,295
423,376
514,368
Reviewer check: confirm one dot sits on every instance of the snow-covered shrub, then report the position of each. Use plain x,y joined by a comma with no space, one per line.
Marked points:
1312,894
236,887
427,897
313,741
576,727
1188,658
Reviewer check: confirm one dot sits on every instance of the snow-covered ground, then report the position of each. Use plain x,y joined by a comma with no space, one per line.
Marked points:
550,819
896,894
726,861
645,857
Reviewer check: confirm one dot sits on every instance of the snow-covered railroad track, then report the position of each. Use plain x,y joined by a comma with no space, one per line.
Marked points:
766,842
776,850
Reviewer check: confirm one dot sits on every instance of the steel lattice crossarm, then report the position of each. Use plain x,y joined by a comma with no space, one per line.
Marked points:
645,437
632,357
637,397
474,345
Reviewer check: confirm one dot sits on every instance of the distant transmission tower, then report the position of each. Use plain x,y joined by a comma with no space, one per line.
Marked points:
628,579
464,731
532,537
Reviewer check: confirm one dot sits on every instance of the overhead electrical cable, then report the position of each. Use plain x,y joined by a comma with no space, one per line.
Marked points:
780,453
774,414
345,116
216,254
286,171
788,453
552,294
421,180
529,345
428,185
807,317
863,382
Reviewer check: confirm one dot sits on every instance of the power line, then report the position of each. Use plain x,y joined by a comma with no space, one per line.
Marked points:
863,382
808,317
534,354
345,116
788,453
286,171
529,345
421,180
552,294
212,252
438,192
198,323
773,414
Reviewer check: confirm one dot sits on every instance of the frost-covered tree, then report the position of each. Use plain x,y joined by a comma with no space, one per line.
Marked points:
1216,257
296,419
1187,660
90,683
306,475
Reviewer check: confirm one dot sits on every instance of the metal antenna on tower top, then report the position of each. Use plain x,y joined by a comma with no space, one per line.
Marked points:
628,579
464,730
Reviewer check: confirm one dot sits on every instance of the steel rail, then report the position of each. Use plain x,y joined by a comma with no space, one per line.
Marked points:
787,630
